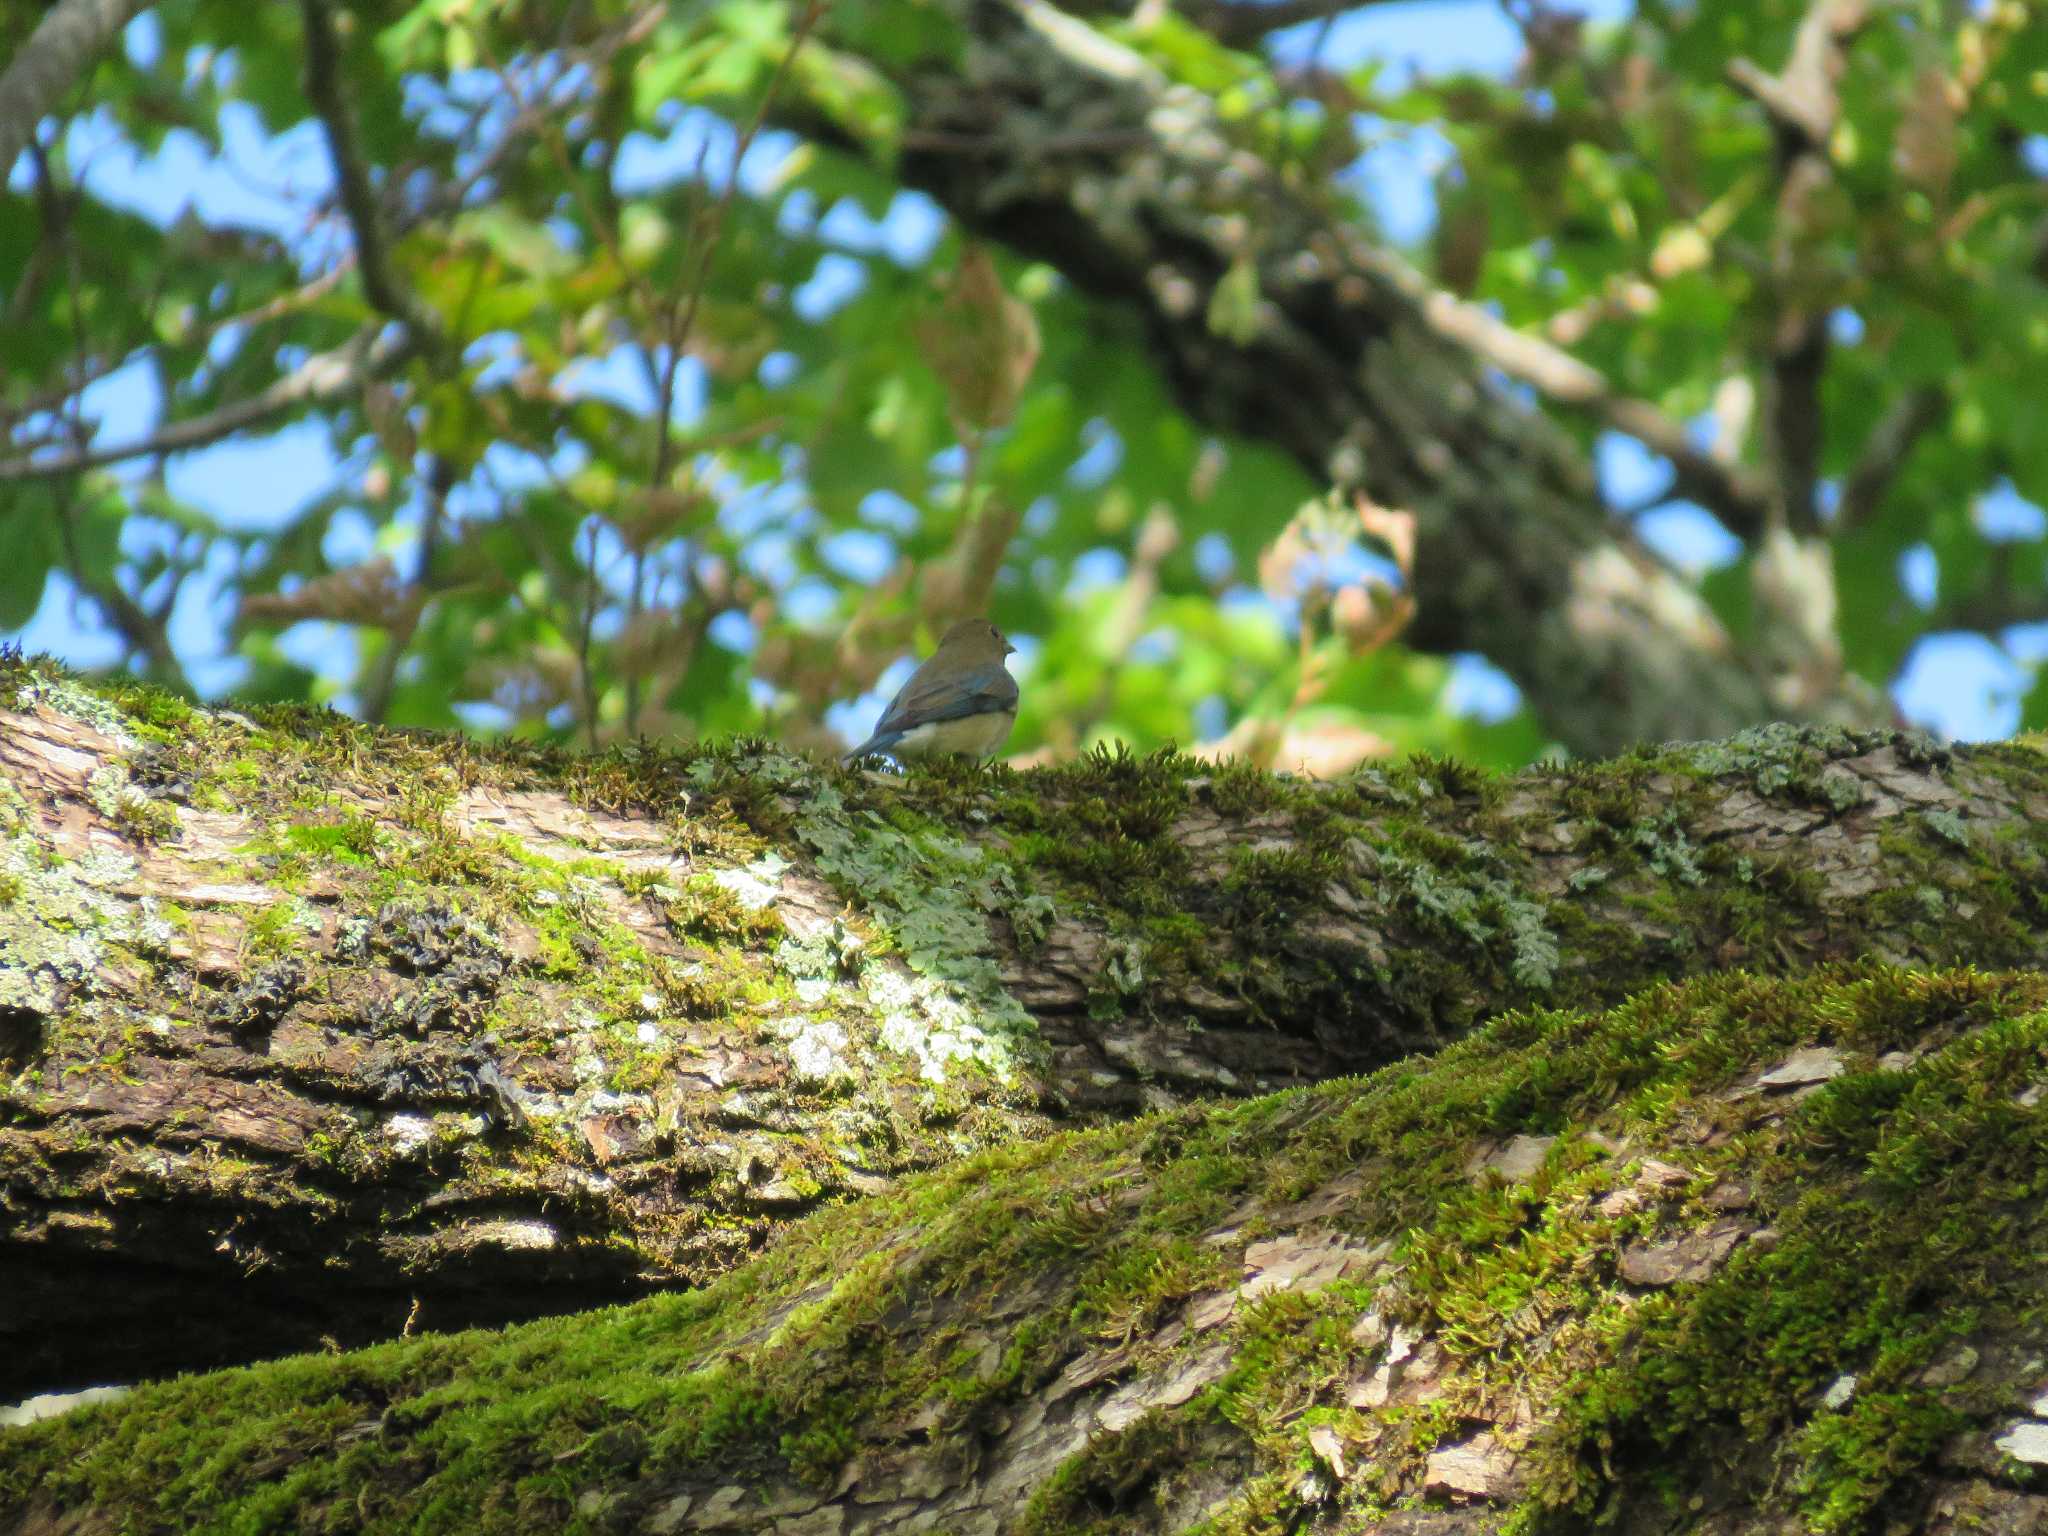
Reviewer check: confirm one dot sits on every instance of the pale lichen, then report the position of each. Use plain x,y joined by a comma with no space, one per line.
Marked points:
932,894
61,695
754,886
1481,907
62,915
816,1050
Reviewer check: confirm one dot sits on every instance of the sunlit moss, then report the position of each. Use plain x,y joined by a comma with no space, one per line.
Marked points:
1903,1200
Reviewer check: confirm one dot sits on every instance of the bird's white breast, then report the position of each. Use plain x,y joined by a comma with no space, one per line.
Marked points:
973,736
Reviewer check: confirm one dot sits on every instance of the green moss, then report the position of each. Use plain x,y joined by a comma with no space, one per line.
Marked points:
1112,1487
352,840
1113,836
1906,1205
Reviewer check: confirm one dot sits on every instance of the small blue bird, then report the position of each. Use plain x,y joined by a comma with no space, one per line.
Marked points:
961,700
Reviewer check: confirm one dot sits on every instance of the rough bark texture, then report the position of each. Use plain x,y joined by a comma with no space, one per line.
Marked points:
1742,1256
1063,144
309,1030
62,45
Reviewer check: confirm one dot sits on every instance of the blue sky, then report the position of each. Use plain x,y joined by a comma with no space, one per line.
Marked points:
1962,686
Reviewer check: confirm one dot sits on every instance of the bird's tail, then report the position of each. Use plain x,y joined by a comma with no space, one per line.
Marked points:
884,741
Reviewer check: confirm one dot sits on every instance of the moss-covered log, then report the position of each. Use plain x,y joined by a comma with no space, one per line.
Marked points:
309,1030
1743,1255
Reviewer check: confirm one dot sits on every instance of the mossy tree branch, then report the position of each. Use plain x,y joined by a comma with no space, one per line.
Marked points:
341,1022
1741,1257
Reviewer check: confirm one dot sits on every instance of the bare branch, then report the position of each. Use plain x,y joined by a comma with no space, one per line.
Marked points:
322,377
1800,98
1998,604
63,43
1891,442
1735,494
1803,107
381,282
1246,23
436,483
144,631
680,319
683,322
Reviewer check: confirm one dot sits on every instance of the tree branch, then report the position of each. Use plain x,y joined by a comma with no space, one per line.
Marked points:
1735,494
346,1068
144,631
1800,98
63,43
1243,24
1890,444
1609,646
1281,1321
382,285
1803,107
1997,603
323,377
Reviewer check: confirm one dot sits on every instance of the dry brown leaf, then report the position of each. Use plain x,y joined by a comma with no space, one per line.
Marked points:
369,593
1924,150
982,343
648,514
1395,530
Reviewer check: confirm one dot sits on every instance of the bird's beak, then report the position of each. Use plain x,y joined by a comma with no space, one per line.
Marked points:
1009,649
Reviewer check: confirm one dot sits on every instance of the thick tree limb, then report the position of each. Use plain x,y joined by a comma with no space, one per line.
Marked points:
1733,492
1594,1263
339,1021
64,42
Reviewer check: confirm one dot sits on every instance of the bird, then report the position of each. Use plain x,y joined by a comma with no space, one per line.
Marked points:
961,700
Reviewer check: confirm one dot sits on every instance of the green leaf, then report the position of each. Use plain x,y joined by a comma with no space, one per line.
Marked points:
1234,303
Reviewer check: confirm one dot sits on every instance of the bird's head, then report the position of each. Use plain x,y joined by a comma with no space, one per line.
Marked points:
975,640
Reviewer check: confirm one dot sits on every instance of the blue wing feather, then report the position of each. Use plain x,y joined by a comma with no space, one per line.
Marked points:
923,700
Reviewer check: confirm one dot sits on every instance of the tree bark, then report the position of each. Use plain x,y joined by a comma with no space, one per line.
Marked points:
64,42
379,1030
1065,145
1745,1256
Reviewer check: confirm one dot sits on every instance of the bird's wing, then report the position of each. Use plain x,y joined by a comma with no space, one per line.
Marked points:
924,700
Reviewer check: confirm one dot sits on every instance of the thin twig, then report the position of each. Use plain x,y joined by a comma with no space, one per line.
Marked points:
438,481
679,336
680,322
141,630
324,376
586,625
382,285
1885,452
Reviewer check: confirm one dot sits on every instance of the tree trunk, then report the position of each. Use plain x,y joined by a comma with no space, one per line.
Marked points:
312,1030
1065,145
1746,1255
